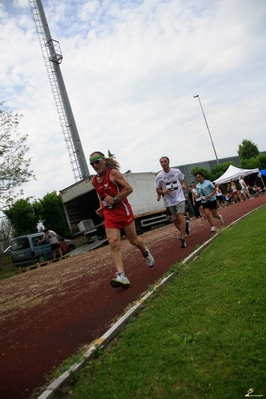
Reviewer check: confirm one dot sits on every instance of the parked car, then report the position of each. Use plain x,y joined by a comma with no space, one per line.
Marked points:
26,250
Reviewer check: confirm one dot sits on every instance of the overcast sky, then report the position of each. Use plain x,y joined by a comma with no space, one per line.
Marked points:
131,69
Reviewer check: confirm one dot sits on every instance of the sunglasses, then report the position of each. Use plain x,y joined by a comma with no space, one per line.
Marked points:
95,162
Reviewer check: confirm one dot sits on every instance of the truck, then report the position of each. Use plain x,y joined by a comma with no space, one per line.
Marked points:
80,202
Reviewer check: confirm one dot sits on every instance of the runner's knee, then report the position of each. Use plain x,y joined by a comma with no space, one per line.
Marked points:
114,243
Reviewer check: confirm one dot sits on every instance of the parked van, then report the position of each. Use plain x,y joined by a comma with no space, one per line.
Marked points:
26,250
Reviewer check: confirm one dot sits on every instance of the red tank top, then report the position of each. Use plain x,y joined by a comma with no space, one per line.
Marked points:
106,187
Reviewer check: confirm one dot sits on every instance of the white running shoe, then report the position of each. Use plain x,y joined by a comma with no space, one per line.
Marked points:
221,219
149,258
120,280
213,229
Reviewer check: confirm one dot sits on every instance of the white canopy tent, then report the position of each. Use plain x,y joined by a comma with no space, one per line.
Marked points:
234,173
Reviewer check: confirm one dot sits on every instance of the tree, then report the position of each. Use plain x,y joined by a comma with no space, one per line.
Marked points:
205,172
246,150
14,166
261,161
22,217
5,230
252,163
52,212
25,215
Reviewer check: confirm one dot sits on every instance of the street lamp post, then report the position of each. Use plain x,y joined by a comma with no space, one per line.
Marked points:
198,97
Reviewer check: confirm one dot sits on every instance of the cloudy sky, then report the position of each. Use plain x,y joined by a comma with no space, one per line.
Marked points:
131,69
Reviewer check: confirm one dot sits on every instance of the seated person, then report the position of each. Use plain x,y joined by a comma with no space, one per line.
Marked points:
257,190
250,189
228,198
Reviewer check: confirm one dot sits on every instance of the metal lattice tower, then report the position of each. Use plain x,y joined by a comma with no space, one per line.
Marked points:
52,58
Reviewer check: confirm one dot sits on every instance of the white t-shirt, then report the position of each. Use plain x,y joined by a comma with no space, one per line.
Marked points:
52,236
172,181
218,192
242,184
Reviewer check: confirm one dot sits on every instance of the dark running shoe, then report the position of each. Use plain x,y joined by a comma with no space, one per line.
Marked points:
183,243
187,227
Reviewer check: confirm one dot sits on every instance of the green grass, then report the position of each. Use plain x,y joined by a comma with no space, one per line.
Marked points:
6,268
7,274
203,335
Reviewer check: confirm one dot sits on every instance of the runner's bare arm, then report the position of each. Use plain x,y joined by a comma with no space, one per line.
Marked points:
183,184
117,178
99,211
159,191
